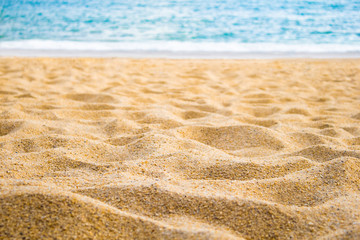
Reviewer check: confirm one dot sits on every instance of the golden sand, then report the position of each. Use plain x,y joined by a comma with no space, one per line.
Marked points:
179,149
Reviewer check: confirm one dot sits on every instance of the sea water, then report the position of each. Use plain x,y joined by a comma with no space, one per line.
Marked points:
181,25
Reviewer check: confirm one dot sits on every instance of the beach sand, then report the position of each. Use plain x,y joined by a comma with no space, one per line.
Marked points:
179,149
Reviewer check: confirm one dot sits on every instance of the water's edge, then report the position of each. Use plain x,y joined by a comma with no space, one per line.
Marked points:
176,49
173,54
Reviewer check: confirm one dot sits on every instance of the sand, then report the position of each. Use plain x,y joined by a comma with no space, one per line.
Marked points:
179,149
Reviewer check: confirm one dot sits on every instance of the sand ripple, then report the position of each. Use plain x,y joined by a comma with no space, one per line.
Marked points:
179,149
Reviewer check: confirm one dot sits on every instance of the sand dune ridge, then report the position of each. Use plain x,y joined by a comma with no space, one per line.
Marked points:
179,149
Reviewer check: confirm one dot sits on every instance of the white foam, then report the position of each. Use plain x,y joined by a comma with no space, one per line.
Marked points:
174,47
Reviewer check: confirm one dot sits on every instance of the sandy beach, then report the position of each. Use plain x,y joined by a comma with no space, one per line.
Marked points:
94,148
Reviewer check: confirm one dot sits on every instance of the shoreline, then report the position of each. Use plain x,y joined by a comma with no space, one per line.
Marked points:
175,54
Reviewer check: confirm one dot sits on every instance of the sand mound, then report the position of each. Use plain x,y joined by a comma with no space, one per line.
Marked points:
45,214
179,149
233,137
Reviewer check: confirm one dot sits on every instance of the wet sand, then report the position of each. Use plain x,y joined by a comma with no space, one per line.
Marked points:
179,149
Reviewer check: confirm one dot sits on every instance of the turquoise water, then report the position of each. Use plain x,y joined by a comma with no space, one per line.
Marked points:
227,25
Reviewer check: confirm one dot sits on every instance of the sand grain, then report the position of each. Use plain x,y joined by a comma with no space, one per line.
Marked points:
179,149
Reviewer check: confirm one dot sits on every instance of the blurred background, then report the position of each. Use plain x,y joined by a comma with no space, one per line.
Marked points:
224,25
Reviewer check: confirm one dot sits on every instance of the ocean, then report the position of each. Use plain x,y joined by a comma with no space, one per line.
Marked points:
232,26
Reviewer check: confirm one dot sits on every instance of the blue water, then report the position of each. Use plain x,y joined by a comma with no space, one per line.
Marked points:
180,24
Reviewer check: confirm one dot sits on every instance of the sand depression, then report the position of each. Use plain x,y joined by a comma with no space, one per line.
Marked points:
179,149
